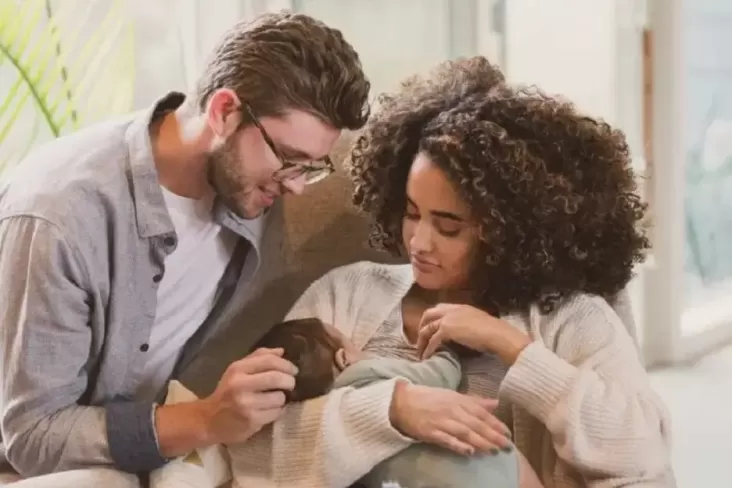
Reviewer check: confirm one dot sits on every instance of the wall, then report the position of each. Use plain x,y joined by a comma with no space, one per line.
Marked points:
394,38
567,47
160,61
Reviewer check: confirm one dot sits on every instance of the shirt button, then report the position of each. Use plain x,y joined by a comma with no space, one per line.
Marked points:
144,347
157,278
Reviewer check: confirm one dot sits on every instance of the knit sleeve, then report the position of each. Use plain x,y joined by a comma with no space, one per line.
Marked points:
335,439
584,381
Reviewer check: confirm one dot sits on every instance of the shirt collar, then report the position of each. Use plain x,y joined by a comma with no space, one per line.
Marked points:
152,214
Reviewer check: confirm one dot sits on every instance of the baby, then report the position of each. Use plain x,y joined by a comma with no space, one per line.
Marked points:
327,360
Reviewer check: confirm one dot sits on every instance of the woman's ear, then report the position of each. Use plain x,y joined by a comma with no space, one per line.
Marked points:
341,360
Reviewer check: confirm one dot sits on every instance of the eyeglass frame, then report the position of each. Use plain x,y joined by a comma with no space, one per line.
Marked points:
301,169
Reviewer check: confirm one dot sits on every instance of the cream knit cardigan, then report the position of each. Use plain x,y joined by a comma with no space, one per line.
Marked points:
581,407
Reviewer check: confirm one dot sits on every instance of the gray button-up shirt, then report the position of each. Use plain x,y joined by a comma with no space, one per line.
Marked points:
84,231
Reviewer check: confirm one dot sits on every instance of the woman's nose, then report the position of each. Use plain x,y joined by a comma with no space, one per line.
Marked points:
422,238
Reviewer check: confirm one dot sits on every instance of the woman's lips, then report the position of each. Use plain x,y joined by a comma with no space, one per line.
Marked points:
422,265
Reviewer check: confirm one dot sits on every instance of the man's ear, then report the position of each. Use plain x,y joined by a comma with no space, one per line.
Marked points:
341,360
223,113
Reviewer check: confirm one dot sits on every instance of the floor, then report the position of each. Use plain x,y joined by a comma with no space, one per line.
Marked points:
700,400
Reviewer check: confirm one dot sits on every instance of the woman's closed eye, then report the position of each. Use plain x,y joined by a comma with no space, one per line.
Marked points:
444,227
448,230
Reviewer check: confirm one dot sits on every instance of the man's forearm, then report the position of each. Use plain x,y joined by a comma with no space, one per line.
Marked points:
182,428
142,437
121,434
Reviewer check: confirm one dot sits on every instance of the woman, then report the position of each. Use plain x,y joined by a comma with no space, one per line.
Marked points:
521,222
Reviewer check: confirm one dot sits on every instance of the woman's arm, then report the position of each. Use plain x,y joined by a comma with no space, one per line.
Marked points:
586,384
336,439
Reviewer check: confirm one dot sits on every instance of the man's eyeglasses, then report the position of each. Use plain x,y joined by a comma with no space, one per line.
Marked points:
314,171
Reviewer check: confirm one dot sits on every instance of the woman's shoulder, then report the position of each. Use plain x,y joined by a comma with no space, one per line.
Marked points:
369,273
582,309
354,292
580,304
581,318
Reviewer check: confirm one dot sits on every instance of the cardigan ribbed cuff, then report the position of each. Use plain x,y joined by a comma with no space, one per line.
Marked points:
537,381
370,429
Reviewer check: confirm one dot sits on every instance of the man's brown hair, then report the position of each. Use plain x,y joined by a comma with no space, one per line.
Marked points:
309,346
284,60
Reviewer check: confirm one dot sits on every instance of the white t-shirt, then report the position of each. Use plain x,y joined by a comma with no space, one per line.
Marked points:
188,289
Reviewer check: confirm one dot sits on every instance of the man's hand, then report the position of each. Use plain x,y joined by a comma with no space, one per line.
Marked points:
249,396
462,423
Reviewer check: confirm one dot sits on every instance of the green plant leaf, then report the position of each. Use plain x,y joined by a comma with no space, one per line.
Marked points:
62,64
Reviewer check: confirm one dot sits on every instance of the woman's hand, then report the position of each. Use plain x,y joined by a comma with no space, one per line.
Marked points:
472,328
462,423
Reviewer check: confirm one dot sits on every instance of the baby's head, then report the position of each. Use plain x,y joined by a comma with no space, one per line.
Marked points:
319,351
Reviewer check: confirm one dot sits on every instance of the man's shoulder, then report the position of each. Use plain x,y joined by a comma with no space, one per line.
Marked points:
72,176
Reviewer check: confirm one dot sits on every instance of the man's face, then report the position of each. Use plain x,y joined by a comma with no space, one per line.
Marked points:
241,169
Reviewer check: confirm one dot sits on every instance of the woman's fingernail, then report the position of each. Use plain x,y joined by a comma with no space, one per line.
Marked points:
507,448
494,451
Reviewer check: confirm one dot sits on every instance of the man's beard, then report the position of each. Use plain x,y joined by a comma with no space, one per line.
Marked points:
227,182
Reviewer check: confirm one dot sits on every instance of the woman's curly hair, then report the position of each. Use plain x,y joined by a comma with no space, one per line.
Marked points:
552,190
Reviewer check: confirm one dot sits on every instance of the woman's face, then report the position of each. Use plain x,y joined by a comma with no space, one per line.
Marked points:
439,233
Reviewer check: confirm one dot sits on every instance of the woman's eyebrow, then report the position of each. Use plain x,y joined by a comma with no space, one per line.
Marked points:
447,215
443,214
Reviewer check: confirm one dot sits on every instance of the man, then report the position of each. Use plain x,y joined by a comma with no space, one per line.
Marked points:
124,248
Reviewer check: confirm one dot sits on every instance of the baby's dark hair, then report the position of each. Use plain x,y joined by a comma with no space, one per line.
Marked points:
309,346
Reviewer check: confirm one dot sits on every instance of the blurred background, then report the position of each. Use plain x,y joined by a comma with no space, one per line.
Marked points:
659,69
